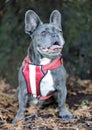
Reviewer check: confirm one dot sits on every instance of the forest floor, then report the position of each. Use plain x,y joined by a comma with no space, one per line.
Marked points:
79,102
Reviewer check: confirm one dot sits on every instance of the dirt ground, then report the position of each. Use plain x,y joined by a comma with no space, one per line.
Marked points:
79,102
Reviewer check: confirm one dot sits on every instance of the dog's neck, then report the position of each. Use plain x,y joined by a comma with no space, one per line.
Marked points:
44,61
38,59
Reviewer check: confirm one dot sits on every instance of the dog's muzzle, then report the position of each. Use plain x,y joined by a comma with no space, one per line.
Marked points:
55,48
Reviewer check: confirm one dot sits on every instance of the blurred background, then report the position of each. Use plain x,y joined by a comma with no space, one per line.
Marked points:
77,29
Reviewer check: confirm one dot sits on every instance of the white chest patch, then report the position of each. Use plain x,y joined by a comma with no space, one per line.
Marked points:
44,61
47,84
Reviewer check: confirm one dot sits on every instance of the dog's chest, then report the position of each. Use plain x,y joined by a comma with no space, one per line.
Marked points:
47,83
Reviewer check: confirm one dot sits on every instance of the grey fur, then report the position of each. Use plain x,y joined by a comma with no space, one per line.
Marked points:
44,36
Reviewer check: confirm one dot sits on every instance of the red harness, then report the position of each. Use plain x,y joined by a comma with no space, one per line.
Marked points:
33,75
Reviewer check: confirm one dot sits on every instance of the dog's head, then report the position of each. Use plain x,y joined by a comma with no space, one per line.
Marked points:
47,39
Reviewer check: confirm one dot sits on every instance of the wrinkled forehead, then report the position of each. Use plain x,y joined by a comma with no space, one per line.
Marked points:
48,27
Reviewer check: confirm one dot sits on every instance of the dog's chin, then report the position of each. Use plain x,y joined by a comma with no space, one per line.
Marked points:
50,52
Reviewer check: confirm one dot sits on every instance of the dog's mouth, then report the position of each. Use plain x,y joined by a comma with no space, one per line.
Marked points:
55,48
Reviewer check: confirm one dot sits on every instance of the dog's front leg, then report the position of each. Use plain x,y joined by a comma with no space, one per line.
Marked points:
22,98
62,92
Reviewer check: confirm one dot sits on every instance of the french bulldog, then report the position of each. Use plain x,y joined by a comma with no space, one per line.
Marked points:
42,74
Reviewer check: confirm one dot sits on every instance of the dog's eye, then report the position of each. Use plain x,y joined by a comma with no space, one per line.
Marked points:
43,33
61,32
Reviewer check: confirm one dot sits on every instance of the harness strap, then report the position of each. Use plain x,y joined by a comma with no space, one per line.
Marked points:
54,64
40,72
46,97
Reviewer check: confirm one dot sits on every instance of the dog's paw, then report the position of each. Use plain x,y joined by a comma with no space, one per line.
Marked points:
14,121
66,116
18,118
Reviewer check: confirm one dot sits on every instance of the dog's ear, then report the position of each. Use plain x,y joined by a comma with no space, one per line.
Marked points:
32,21
55,18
